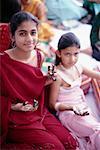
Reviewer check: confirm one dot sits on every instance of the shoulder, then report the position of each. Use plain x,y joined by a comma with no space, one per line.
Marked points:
58,81
40,58
79,67
40,54
56,84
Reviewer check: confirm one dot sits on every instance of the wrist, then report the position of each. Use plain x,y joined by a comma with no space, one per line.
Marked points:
13,107
57,106
17,107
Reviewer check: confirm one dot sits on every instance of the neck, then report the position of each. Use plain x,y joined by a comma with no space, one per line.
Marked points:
64,67
22,55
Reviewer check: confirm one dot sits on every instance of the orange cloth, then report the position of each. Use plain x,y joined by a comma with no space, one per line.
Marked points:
38,9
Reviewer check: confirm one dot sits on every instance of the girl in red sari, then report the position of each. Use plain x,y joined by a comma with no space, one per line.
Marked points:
24,116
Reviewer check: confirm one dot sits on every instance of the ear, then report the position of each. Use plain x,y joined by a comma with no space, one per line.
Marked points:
58,53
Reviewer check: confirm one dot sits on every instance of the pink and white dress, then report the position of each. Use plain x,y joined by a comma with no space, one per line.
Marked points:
85,128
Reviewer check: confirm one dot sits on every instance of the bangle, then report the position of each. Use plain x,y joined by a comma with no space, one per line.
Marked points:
57,106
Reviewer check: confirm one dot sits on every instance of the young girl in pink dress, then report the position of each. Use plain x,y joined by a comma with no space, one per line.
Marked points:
67,98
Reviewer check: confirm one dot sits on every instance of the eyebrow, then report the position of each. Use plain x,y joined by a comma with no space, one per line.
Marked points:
26,30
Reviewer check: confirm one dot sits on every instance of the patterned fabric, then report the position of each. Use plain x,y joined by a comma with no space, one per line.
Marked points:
4,37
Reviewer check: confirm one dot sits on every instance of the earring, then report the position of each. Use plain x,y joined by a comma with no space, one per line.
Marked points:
13,44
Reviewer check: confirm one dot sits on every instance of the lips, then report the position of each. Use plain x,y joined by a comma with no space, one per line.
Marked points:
29,44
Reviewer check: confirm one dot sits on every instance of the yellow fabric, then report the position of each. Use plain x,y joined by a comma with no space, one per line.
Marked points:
33,7
45,32
36,7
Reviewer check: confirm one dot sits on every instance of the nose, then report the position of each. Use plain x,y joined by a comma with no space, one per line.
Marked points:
72,58
29,37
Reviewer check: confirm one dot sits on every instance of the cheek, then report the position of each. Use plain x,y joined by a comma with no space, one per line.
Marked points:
19,41
64,59
76,58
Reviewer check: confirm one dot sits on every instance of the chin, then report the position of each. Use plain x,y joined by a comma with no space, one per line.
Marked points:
29,48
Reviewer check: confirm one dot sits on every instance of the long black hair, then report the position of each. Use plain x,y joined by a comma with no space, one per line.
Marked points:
20,17
66,40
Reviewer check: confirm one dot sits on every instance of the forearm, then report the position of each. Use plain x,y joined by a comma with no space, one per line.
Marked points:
62,106
81,110
91,73
96,75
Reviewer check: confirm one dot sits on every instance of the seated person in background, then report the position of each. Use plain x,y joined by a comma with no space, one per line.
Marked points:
63,10
93,8
67,98
24,116
95,37
38,9
9,7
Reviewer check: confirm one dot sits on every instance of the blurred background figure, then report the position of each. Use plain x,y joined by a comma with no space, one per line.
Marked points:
61,10
38,9
95,37
45,34
93,8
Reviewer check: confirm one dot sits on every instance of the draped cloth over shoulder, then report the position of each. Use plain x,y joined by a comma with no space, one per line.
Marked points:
26,88
21,82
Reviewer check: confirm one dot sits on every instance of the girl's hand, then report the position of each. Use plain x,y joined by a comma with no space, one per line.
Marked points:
81,110
23,107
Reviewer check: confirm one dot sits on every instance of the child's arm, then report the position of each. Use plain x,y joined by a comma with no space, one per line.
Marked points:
62,106
54,91
91,73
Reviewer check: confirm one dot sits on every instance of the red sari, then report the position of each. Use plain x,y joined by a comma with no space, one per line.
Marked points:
40,129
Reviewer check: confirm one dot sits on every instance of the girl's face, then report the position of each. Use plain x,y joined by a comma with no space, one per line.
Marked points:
26,36
69,56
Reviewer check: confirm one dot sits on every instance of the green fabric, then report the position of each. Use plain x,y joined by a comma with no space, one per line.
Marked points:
94,37
92,6
88,4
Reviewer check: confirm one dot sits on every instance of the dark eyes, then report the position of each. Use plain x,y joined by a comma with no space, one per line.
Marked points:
33,33
69,54
76,54
22,33
25,33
